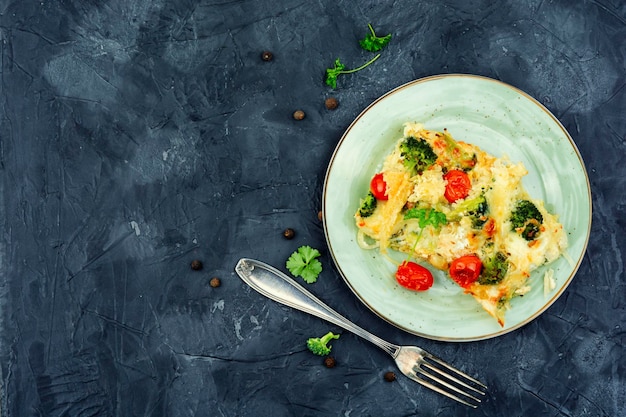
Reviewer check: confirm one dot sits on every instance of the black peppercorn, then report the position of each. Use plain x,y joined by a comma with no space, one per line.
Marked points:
267,56
389,376
289,233
330,362
215,282
331,103
196,265
298,115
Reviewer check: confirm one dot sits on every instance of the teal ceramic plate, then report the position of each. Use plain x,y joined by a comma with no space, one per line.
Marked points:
501,120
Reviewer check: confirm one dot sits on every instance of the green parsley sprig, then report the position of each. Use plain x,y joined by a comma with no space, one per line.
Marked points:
339,68
426,217
304,263
373,43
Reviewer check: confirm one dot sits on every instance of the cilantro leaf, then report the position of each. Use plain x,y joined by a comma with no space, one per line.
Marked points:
373,43
339,68
426,217
304,263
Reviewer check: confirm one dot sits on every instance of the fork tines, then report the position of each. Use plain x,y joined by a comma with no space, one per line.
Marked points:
449,381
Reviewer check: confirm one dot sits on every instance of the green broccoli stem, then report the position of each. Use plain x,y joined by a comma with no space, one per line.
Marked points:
467,205
327,337
361,67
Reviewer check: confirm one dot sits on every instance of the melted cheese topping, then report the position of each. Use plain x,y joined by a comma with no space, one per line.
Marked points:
498,180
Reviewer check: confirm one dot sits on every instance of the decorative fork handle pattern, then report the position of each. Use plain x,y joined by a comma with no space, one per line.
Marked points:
277,286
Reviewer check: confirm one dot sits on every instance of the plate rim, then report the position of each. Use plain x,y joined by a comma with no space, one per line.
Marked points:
557,123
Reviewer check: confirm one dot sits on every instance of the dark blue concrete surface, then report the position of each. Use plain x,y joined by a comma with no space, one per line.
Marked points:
136,136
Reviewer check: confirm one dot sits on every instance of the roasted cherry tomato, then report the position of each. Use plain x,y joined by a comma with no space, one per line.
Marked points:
379,187
465,270
458,187
414,277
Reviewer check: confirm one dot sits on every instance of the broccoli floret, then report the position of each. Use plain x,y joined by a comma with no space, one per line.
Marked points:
368,205
319,345
465,160
494,269
476,207
526,219
417,153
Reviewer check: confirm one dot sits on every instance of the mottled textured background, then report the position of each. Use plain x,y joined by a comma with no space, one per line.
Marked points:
136,136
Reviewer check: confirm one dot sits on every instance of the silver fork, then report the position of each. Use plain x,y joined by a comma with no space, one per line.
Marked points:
414,362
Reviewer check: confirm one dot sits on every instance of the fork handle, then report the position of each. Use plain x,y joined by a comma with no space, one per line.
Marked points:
277,286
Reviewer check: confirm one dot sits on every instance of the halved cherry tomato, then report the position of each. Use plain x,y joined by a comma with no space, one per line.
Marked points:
379,187
458,187
414,277
465,270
